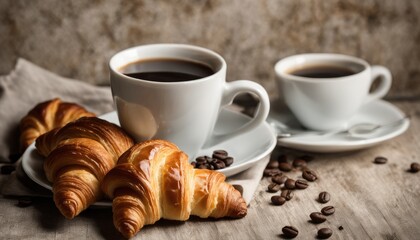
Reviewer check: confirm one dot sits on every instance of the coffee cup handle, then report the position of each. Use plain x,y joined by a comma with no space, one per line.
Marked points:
231,90
385,79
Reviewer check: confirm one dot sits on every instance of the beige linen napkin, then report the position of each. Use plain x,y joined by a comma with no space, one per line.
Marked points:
28,85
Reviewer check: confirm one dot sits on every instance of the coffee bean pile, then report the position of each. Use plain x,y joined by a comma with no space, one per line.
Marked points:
280,182
220,159
277,169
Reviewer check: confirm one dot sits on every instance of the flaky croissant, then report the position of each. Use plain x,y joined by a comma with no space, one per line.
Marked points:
78,156
154,180
46,116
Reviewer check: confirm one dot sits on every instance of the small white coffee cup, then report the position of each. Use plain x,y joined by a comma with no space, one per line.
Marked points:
328,102
183,112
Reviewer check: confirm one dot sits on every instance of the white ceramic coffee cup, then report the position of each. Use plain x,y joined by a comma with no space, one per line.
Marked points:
182,112
329,103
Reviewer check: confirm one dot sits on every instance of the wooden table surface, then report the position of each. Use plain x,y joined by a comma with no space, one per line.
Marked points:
372,202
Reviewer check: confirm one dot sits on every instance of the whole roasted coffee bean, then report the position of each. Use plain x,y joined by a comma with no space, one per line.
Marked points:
194,164
324,233
220,157
317,217
279,178
309,175
201,165
221,152
218,164
272,164
324,197
290,184
298,162
273,187
285,166
201,159
228,161
328,210
380,160
415,167
301,184
278,200
287,194
269,172
290,231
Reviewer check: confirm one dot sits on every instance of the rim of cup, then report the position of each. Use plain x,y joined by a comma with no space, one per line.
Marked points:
190,52
285,66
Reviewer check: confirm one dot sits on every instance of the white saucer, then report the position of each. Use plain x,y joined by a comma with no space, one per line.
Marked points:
376,112
246,149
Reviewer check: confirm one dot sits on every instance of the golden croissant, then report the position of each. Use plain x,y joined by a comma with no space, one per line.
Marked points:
78,156
154,180
46,116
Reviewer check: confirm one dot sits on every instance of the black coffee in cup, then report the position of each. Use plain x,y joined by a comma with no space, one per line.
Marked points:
323,71
166,70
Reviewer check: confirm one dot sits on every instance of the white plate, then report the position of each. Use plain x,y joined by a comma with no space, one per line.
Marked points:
246,149
377,112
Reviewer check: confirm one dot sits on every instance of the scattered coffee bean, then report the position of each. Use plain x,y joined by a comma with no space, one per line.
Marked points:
7,169
290,231
272,164
380,160
278,200
273,187
301,184
340,228
317,217
328,210
299,163
239,188
324,233
282,158
309,175
279,178
290,184
268,172
285,166
287,194
24,202
324,197
219,160
415,167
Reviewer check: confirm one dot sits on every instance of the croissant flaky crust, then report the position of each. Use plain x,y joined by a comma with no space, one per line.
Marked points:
78,156
154,180
46,116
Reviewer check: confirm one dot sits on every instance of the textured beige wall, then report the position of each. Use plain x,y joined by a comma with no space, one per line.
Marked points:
76,38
